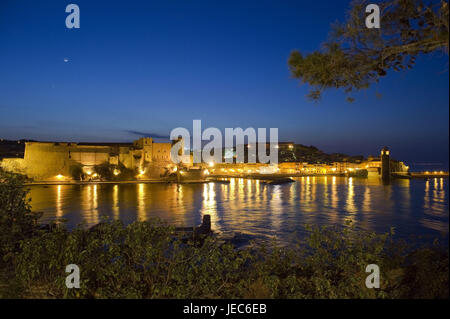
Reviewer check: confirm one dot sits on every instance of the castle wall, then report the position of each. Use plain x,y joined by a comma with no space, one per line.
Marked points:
161,152
126,157
89,155
45,161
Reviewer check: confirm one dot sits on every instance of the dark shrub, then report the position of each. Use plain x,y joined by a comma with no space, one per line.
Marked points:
17,221
104,170
76,171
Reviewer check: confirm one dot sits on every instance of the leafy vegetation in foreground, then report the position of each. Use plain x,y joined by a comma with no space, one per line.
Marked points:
147,260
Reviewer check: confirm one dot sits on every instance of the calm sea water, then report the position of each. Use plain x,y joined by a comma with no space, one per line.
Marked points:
250,210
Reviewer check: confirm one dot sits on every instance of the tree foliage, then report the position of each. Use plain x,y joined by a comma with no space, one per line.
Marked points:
76,171
354,57
104,170
126,174
17,221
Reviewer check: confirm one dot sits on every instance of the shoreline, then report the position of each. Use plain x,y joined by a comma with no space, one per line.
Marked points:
218,179
92,183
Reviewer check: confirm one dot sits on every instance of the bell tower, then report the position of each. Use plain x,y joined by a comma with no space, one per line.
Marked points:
385,164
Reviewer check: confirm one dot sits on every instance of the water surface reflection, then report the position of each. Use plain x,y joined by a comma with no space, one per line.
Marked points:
413,207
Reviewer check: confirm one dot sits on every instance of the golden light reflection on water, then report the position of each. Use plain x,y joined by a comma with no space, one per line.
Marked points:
275,207
180,206
350,204
180,196
115,207
406,191
306,191
241,187
250,206
426,199
210,204
435,205
141,202
313,202
90,205
367,200
292,195
334,196
59,212
232,193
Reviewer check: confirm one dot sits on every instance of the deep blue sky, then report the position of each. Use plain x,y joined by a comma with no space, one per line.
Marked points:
151,66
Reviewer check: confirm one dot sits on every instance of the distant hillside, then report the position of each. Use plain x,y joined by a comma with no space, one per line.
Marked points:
11,148
311,154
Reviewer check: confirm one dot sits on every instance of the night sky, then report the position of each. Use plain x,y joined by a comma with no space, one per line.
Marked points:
146,67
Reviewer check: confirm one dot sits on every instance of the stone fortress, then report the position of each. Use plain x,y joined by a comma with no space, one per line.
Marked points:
47,161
